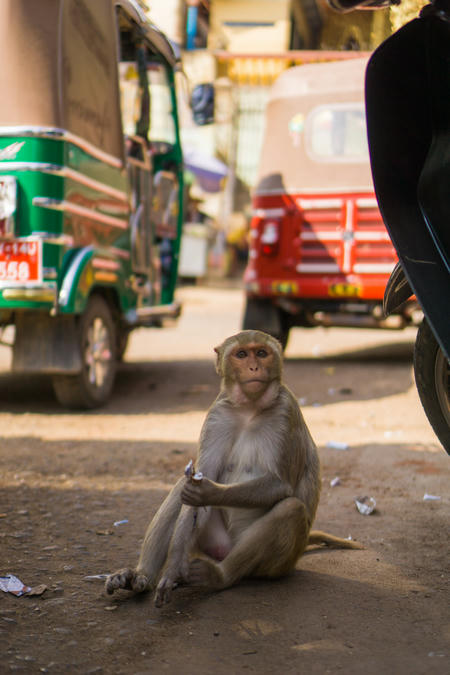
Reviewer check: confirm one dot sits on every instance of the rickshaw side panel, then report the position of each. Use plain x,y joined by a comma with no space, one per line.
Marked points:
70,200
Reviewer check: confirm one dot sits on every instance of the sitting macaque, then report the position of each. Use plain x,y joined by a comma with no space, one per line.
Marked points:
248,510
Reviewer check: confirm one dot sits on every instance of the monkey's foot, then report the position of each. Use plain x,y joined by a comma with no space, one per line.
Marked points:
127,579
205,573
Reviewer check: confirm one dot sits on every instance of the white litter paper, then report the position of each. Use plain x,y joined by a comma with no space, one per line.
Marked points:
11,584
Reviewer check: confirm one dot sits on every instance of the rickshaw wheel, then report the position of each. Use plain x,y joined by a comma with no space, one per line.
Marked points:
261,314
97,340
122,338
432,374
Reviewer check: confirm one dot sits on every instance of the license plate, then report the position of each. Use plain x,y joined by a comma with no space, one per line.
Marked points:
20,262
285,287
344,290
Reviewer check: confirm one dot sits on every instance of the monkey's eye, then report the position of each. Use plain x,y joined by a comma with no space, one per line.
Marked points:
241,354
262,353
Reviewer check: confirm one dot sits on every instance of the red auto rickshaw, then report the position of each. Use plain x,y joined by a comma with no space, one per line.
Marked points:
319,253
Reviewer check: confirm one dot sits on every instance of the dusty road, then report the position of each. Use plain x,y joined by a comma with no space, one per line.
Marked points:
66,478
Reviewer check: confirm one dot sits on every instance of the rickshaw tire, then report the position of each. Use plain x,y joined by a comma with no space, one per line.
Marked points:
97,339
285,322
262,314
432,372
123,337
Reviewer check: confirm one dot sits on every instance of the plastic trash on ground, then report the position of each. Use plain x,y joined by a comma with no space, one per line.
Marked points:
337,445
365,505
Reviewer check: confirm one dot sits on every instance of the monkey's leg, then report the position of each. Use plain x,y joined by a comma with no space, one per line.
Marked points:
154,548
270,547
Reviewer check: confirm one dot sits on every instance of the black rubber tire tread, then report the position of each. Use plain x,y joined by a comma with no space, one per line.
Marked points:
285,329
75,391
426,352
258,316
122,338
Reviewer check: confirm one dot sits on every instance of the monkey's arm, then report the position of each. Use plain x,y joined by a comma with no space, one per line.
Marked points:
262,492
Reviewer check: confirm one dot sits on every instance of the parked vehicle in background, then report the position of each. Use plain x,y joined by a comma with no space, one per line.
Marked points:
319,253
90,187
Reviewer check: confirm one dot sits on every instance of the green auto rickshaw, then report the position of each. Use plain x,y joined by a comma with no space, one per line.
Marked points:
91,185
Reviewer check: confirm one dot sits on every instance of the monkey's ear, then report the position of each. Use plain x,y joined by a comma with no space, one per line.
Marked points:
218,351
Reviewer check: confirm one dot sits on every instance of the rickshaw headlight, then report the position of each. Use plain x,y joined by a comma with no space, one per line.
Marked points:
8,203
270,236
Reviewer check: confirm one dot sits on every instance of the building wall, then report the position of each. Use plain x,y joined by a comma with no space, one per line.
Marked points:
360,30
247,26
168,15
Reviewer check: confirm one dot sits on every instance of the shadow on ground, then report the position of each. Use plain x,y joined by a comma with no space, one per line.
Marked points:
147,386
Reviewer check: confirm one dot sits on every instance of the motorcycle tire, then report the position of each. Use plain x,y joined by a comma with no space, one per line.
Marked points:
432,374
97,339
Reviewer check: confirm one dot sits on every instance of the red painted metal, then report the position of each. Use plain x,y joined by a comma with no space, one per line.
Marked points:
330,245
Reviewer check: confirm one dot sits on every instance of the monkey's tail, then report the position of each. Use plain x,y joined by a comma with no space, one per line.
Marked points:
318,537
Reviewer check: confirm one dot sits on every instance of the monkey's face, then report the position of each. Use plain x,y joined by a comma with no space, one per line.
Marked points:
253,366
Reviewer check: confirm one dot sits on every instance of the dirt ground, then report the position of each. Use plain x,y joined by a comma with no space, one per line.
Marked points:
66,478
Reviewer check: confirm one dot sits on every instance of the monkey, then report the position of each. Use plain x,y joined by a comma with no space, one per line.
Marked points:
248,511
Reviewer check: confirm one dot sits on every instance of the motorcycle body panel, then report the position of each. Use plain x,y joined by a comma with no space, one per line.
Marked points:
408,120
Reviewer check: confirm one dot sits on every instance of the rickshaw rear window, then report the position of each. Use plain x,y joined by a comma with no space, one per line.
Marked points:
337,133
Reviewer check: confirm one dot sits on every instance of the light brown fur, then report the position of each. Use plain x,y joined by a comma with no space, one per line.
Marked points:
251,514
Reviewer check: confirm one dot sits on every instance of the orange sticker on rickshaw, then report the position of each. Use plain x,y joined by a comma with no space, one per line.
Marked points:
284,287
344,290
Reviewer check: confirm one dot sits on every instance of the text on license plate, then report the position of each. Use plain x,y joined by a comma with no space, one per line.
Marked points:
344,290
20,261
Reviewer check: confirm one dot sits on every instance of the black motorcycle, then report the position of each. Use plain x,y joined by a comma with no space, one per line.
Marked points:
408,125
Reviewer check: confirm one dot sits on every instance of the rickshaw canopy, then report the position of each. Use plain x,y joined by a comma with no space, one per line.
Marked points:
315,132
60,69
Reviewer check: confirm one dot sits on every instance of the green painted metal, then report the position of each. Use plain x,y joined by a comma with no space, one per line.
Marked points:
36,168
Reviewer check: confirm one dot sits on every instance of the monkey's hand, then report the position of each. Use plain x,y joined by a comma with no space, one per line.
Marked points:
201,493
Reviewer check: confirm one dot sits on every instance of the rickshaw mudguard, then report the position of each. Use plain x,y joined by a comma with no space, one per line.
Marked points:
399,112
77,282
46,345
84,273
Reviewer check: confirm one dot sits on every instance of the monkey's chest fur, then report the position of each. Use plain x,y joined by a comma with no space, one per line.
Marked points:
249,455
